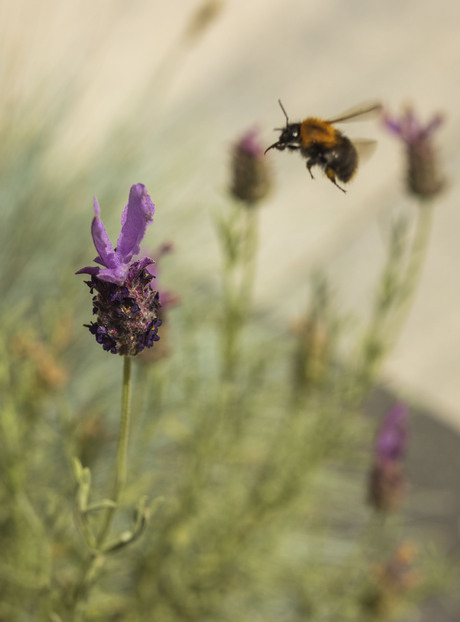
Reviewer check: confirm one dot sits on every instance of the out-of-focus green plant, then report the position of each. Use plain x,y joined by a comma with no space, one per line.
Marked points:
238,233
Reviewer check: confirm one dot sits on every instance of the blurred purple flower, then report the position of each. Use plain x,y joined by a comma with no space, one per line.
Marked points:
392,437
423,178
250,144
409,128
251,177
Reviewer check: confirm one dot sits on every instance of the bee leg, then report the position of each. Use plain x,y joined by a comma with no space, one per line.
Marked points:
330,174
310,164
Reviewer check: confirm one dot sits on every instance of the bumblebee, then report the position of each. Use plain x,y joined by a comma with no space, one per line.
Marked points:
325,146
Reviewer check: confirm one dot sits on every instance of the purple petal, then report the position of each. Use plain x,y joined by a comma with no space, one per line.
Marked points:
93,270
144,262
250,144
135,218
391,439
409,128
107,256
433,125
392,125
113,275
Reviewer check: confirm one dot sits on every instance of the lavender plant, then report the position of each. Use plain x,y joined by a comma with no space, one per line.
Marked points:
127,321
250,184
254,447
407,249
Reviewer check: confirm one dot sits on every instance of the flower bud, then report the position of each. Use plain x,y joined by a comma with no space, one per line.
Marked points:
251,179
422,178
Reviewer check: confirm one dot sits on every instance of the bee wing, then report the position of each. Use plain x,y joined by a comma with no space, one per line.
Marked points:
364,147
358,112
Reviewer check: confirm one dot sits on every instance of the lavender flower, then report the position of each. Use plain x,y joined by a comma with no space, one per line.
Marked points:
387,479
391,441
423,178
126,306
250,174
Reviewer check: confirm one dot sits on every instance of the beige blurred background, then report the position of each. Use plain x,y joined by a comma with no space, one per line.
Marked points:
196,85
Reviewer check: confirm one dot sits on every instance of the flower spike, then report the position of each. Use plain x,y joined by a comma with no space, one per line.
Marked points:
422,177
126,306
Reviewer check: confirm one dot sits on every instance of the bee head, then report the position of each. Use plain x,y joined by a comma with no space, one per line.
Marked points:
289,137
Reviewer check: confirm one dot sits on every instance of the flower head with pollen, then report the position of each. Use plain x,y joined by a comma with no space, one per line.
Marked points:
423,178
125,304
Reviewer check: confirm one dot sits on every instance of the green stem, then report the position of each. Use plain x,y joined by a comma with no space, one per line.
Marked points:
120,478
251,243
238,286
392,309
415,263
97,559
230,323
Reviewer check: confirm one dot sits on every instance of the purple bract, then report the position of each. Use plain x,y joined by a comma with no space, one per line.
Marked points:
134,220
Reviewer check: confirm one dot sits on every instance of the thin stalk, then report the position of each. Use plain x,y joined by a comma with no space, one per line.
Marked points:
238,286
393,308
251,244
97,559
120,478
415,263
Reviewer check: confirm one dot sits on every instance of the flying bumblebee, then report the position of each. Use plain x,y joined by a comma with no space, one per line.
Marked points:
325,146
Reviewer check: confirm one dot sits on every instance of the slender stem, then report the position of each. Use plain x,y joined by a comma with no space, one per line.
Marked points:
120,478
416,260
97,559
251,243
230,321
238,285
393,308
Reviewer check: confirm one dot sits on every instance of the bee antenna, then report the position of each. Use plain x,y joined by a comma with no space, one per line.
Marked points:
284,111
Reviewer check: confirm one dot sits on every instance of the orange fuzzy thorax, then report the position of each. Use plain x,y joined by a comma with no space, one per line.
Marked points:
313,130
